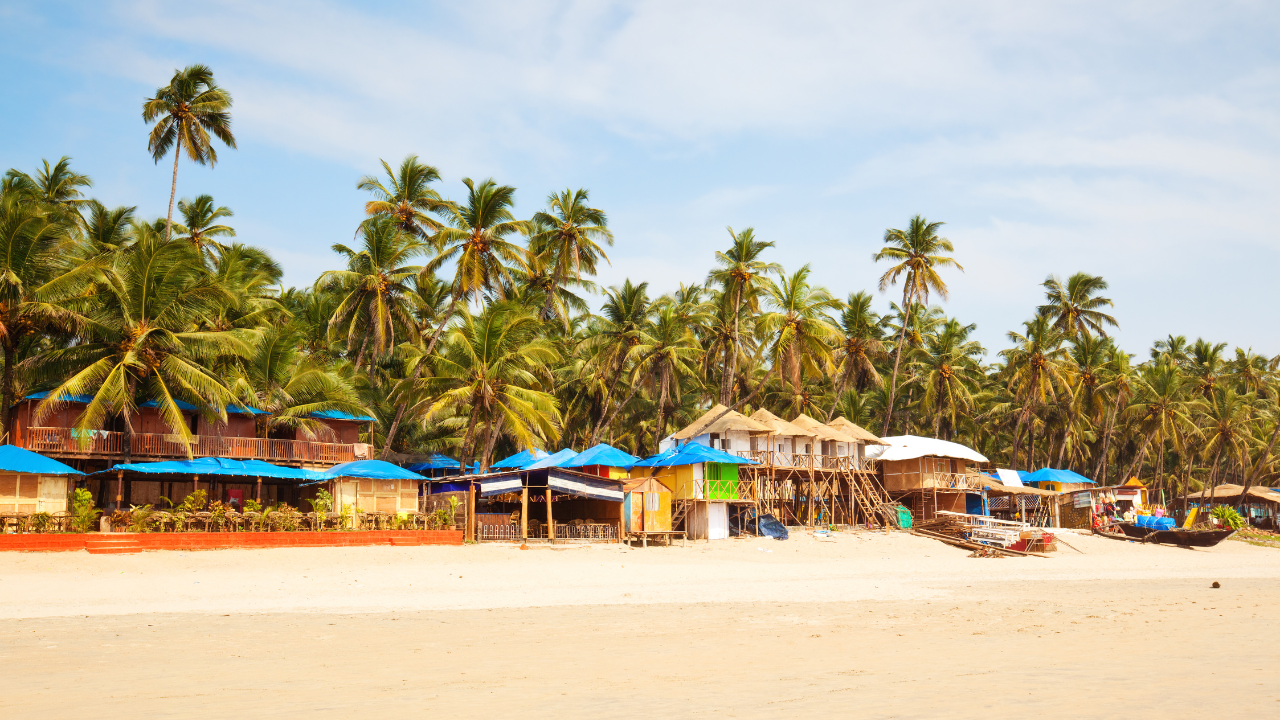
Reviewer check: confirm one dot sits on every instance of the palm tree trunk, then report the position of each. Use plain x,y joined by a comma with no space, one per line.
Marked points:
727,388
844,382
606,423
10,354
1017,437
486,457
466,440
173,189
417,373
897,359
1137,460
1100,468
1257,467
662,408
551,292
1160,465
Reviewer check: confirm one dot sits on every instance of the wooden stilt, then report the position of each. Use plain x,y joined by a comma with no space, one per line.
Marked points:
119,489
259,494
551,523
524,513
470,533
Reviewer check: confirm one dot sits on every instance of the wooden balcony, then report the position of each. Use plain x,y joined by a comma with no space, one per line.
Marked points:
67,442
803,461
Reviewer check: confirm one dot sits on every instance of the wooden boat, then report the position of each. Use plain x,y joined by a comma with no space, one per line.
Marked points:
1182,537
1114,535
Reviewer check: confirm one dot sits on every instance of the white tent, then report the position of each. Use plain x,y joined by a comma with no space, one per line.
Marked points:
909,447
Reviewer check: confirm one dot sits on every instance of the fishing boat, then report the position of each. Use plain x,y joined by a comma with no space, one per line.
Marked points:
1106,533
1184,537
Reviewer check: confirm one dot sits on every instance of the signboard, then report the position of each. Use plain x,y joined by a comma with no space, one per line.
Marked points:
1083,500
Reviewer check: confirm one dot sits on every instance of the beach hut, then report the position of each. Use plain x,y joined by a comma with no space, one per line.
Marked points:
928,475
730,431
704,487
831,443
545,501
374,486
782,443
31,482
1260,505
646,508
222,479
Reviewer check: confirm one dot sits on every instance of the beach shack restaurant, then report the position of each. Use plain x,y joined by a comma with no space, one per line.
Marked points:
548,504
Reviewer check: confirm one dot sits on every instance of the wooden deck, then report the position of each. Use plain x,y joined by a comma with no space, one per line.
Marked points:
91,444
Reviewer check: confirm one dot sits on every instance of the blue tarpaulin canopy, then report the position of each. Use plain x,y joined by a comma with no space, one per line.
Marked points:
339,415
604,455
20,460
693,454
182,404
373,469
1051,475
436,461
552,460
220,466
520,459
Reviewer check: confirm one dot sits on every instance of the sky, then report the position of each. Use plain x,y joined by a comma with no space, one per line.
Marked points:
1139,141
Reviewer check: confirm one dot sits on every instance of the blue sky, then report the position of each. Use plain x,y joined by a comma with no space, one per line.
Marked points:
1137,140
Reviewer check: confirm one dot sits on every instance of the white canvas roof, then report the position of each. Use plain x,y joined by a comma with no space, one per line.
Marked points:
909,447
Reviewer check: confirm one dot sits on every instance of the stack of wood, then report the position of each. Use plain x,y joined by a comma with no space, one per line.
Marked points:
948,525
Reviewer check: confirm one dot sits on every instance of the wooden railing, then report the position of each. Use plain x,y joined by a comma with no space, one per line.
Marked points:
803,461
953,480
68,441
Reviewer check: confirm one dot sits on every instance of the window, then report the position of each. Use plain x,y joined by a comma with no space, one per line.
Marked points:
651,502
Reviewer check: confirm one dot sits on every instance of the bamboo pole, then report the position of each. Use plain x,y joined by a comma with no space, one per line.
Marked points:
551,523
119,489
524,513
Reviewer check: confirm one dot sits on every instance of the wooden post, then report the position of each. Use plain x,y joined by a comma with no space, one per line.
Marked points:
259,497
551,522
195,483
119,489
524,513
470,534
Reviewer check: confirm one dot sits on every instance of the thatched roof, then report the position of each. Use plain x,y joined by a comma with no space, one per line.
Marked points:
778,426
855,431
732,420
1227,490
826,432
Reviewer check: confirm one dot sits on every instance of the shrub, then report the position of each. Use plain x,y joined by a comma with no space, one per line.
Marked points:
83,514
1228,516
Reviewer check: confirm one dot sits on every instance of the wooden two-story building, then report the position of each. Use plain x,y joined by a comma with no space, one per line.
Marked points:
152,439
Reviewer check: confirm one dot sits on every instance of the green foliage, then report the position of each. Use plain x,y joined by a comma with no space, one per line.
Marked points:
1228,516
141,519
83,515
39,522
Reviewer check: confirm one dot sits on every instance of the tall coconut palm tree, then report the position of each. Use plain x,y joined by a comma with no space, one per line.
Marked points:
492,366
375,288
59,188
1074,306
200,225
1164,411
614,342
802,334
477,241
1036,371
106,230
670,359
139,342
860,347
1119,385
741,275
1225,429
570,235
918,254
949,372
1206,363
186,112
407,197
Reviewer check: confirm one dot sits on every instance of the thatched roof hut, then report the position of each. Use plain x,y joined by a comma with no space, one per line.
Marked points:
778,426
824,432
730,421
855,431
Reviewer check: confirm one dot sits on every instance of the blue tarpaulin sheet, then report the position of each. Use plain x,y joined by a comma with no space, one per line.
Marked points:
602,454
520,460
21,460
552,460
220,466
693,454
436,462
373,469
1051,475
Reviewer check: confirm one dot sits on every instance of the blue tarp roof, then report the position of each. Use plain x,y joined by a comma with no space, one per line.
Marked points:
520,459
220,466
86,399
21,460
693,454
339,415
552,460
436,461
1051,475
375,469
604,455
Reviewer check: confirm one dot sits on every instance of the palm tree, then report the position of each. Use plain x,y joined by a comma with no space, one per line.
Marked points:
491,366
670,357
1035,367
571,231
139,341
476,240
185,112
1205,363
1118,384
105,231
375,288
949,372
614,342
802,334
1074,308
200,223
859,348
277,376
917,252
57,187
407,197
741,275
1163,411
35,276
1226,433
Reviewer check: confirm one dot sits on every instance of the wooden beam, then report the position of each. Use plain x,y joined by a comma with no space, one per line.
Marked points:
524,512
551,523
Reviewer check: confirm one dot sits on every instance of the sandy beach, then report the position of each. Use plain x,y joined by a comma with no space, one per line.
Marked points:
863,624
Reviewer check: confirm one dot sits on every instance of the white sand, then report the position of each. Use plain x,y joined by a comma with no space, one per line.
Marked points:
866,623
